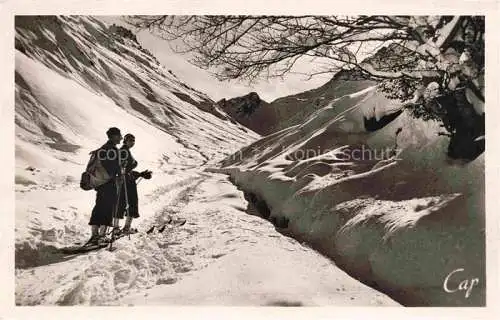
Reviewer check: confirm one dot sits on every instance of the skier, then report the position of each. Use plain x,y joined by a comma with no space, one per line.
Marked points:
128,204
106,197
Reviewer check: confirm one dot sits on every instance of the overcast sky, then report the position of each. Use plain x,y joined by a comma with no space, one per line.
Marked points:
205,82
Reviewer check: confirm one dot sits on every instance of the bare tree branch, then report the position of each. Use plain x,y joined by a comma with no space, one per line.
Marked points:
248,47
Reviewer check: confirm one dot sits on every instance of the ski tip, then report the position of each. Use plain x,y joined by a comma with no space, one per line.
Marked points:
81,249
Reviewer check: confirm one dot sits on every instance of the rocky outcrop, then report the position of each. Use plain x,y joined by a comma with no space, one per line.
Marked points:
266,118
251,111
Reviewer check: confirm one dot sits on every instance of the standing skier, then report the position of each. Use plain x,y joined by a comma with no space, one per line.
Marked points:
106,197
128,202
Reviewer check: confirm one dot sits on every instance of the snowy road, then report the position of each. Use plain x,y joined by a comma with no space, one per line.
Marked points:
221,256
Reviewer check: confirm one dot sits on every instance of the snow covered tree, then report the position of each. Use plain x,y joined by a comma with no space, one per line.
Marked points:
433,64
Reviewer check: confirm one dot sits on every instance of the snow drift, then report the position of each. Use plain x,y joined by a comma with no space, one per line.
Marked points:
385,204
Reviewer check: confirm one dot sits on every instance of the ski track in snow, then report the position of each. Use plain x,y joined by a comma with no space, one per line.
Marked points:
222,255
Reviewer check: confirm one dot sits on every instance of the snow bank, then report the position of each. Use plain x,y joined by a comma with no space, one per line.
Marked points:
398,217
233,247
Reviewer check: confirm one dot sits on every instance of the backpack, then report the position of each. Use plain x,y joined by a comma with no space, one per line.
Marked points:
95,174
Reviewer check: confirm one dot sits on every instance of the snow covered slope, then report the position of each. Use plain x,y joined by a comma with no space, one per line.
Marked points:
67,95
74,78
398,217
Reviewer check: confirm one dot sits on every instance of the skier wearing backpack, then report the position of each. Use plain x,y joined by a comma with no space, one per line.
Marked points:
128,204
107,193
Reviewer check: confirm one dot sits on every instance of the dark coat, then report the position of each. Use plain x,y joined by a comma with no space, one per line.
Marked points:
106,197
129,163
109,156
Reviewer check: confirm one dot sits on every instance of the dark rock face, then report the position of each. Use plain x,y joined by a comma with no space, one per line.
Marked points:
243,106
251,111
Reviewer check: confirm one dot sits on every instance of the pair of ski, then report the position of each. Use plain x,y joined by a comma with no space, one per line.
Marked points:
91,247
162,227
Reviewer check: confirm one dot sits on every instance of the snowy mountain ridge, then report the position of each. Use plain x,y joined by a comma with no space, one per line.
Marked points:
114,70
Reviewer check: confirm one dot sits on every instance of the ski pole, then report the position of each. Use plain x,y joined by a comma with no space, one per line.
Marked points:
115,209
127,214
138,180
